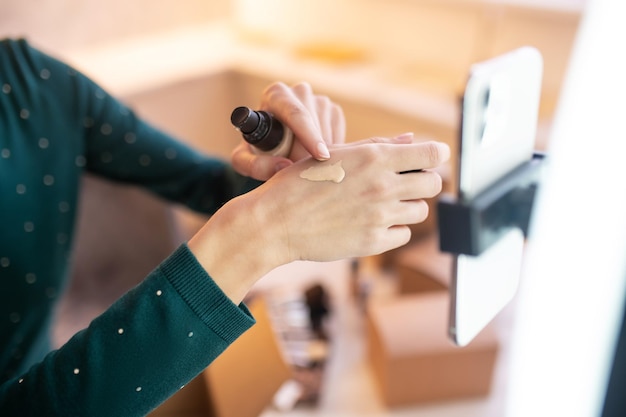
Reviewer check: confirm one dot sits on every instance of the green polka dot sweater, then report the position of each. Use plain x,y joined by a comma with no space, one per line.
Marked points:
56,124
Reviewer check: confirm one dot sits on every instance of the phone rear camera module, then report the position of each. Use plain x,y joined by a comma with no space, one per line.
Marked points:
484,111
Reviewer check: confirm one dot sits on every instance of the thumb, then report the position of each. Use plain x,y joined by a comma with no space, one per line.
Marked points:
260,167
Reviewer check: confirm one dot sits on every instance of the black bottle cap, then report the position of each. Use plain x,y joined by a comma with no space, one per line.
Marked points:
244,119
258,128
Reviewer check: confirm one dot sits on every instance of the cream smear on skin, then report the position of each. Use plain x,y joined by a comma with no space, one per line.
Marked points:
324,172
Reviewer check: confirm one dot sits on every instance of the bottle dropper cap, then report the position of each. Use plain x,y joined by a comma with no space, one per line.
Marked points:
258,128
244,119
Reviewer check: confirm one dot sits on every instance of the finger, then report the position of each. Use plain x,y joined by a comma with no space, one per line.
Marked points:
382,240
304,92
331,120
289,109
418,156
338,124
323,109
259,167
402,213
424,184
395,237
410,212
404,138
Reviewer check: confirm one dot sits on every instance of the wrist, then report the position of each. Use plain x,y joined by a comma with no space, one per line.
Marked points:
237,246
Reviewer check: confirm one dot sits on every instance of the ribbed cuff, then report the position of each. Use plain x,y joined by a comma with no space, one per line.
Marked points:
204,296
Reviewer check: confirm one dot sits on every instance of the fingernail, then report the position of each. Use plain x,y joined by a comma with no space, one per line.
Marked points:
323,151
405,136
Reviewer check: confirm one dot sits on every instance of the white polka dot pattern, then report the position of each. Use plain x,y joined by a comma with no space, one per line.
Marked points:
51,154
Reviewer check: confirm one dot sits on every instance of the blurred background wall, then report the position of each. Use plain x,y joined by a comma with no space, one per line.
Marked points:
58,25
430,43
426,42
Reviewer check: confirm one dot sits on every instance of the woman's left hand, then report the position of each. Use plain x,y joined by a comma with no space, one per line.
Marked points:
315,121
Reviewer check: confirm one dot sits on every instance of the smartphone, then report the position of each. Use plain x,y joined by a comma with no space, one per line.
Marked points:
499,122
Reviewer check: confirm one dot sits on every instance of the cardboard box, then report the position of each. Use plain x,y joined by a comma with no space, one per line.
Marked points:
414,361
422,267
241,382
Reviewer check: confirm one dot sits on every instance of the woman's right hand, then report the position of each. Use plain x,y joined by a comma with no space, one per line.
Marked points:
290,218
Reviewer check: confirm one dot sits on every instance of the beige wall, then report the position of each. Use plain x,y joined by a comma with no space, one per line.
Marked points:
426,42
423,45
429,43
59,25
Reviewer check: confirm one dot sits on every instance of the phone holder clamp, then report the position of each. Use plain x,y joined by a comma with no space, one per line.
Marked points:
471,227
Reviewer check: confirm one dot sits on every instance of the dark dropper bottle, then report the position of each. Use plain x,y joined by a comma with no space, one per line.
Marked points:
262,130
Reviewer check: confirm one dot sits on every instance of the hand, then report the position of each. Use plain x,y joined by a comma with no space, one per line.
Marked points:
365,214
315,120
290,218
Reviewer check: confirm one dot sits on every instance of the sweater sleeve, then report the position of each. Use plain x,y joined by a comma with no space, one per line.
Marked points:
120,146
144,348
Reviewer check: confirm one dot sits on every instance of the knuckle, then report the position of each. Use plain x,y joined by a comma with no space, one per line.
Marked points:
337,111
272,92
372,239
302,87
369,154
274,88
323,102
295,111
377,189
